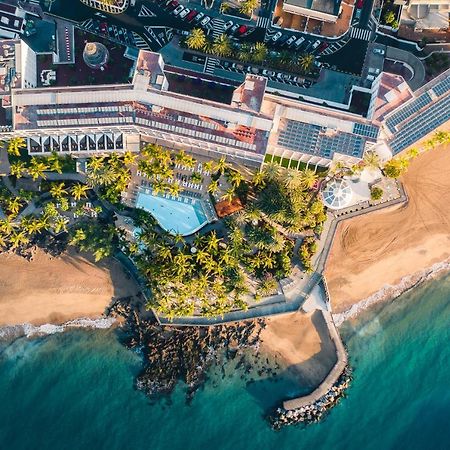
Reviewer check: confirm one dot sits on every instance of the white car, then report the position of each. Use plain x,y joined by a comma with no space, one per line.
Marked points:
205,21
184,13
378,51
177,10
299,42
277,36
228,25
199,17
290,41
316,44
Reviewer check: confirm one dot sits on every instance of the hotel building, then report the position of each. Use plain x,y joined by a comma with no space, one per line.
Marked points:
254,126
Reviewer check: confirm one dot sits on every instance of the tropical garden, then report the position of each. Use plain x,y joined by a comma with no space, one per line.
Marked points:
257,53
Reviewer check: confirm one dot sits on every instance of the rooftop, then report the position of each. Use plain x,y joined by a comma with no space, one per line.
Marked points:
326,6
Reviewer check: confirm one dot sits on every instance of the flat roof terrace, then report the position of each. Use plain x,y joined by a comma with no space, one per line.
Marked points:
325,6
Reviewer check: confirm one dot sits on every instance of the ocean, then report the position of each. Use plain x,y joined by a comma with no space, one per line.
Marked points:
74,390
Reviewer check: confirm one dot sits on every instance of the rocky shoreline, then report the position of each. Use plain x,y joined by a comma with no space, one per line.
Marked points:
315,411
173,354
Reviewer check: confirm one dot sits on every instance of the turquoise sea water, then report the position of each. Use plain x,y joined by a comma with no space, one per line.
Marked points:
75,391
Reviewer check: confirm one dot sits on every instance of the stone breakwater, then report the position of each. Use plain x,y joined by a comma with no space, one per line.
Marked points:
315,411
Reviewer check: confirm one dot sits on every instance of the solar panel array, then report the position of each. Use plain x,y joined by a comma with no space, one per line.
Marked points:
407,111
370,131
311,139
300,136
422,124
442,87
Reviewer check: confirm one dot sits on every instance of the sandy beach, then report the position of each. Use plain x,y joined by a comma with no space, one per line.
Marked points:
55,290
302,344
382,248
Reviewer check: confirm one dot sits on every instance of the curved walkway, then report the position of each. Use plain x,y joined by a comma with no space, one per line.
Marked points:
333,375
407,58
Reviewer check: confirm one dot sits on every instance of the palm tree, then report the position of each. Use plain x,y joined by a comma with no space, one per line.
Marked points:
196,39
221,165
78,237
244,52
13,205
228,195
222,45
54,163
292,179
306,61
271,171
212,242
259,52
236,178
412,152
96,163
35,226
36,169
15,144
196,178
17,239
129,158
208,166
285,58
259,179
247,6
213,186
174,189
371,159
60,224
17,169
79,190
57,190
308,178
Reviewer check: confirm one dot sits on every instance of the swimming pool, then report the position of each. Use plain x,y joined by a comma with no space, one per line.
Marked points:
184,215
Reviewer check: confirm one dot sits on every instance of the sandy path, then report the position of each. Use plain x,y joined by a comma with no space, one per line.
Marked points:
381,248
55,290
302,343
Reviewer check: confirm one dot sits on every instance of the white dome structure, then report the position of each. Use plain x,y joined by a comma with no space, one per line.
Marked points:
337,194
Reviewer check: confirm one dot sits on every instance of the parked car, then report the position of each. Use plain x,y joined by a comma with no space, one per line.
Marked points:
199,17
103,27
242,29
277,36
268,73
205,21
172,5
191,15
299,42
322,47
177,10
290,41
234,28
184,13
316,44
228,25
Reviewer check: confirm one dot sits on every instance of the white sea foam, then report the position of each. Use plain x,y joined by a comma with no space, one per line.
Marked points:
390,292
29,330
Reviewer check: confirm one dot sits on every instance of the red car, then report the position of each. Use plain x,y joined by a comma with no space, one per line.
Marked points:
103,27
191,16
359,4
242,29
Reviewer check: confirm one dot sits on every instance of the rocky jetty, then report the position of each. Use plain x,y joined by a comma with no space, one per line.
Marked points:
173,354
315,411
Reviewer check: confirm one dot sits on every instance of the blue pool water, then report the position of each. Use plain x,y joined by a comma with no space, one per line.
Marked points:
183,215
74,391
